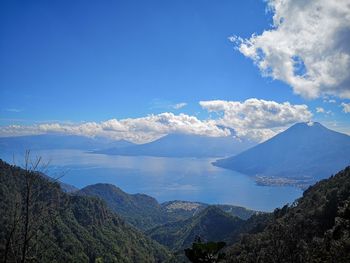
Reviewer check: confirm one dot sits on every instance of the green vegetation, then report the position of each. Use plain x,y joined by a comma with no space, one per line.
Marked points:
41,223
145,213
139,210
205,252
316,228
211,224
180,210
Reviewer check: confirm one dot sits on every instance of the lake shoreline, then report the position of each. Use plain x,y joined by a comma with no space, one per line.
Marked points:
167,179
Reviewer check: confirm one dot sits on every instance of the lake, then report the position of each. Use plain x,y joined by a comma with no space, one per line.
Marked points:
165,179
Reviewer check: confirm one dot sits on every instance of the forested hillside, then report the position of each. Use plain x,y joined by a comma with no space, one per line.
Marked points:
316,228
211,224
144,211
41,223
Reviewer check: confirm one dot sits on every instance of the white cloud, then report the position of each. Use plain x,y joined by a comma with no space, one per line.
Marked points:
320,110
138,130
330,101
257,119
253,119
346,107
166,104
179,105
323,111
307,47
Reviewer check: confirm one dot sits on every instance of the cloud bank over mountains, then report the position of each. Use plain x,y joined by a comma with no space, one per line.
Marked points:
254,119
307,47
257,119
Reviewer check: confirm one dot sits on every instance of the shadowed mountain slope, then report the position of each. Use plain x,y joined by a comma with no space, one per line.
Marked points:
211,224
316,228
304,151
63,227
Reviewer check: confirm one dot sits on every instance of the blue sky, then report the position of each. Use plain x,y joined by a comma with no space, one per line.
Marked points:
92,61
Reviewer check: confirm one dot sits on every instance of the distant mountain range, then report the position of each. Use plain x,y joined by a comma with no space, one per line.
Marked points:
185,145
301,155
57,141
144,212
306,152
172,145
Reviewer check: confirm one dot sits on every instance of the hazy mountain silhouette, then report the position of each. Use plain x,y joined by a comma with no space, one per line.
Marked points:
57,141
185,145
303,150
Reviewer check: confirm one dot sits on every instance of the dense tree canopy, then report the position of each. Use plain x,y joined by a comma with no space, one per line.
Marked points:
57,227
315,228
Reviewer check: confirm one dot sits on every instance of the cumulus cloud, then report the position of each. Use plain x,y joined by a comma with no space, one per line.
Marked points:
346,107
257,119
307,47
138,130
252,119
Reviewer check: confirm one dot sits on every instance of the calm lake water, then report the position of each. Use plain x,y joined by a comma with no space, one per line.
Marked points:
166,179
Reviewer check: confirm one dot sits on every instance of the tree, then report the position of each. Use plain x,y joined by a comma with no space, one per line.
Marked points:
205,252
27,214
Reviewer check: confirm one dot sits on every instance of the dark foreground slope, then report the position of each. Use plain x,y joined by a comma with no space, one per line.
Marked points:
307,151
64,228
316,228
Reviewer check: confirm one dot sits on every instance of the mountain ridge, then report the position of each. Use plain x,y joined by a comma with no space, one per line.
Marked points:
184,145
315,228
57,141
80,228
144,212
211,224
305,151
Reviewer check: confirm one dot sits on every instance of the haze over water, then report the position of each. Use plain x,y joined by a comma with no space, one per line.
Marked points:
166,179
